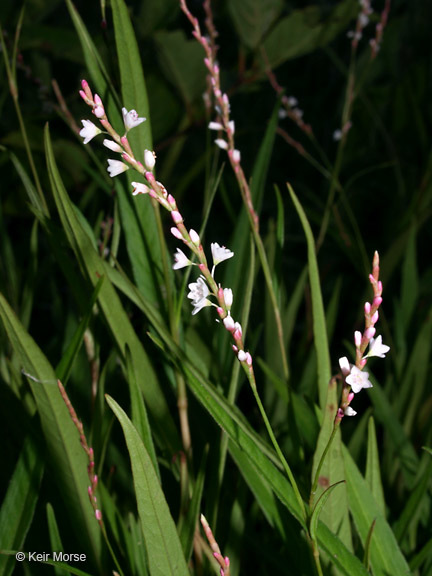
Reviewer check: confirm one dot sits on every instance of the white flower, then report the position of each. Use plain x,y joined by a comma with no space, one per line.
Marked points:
131,119
229,323
112,145
220,253
215,126
181,260
349,411
198,294
292,102
194,236
140,188
358,379
116,167
228,297
221,143
344,365
149,159
377,348
89,131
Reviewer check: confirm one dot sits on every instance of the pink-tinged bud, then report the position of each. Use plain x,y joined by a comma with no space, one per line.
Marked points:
350,397
225,100
91,455
375,317
234,347
150,178
227,561
172,202
377,301
379,288
83,96
176,216
363,362
215,69
248,359
369,333
90,491
372,279
176,233
367,307
241,356
194,237
207,63
222,572
95,480
357,338
202,267
229,323
340,413
236,156
220,311
149,159
98,515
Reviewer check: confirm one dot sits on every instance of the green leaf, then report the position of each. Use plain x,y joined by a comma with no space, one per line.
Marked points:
385,555
335,514
60,433
94,268
318,508
139,412
20,501
252,18
304,31
54,534
165,555
373,474
182,61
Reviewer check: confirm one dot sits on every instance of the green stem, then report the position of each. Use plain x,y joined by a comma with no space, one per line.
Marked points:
276,446
320,465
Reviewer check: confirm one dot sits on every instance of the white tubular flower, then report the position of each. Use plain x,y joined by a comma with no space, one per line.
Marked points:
377,348
228,297
344,366
116,167
131,119
358,380
112,145
349,411
181,260
215,126
221,143
149,159
89,131
140,188
198,294
220,253
194,236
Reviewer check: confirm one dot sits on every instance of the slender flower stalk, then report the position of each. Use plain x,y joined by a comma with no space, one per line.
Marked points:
205,291
223,562
93,478
354,378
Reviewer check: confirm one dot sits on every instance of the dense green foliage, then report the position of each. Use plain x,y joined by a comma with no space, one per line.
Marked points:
88,294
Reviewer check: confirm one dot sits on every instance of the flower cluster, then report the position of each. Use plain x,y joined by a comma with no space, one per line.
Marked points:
355,379
362,22
204,292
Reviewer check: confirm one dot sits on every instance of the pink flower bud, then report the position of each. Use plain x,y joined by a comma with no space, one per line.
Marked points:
176,233
369,333
194,237
176,216
98,515
350,397
357,338
172,202
375,317
377,301
241,355
367,307
229,323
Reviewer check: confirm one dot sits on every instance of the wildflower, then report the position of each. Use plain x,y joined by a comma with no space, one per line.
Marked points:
198,294
112,145
358,379
377,348
131,119
181,260
149,159
220,253
194,236
140,188
89,131
221,143
215,126
228,297
116,167
229,323
349,411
